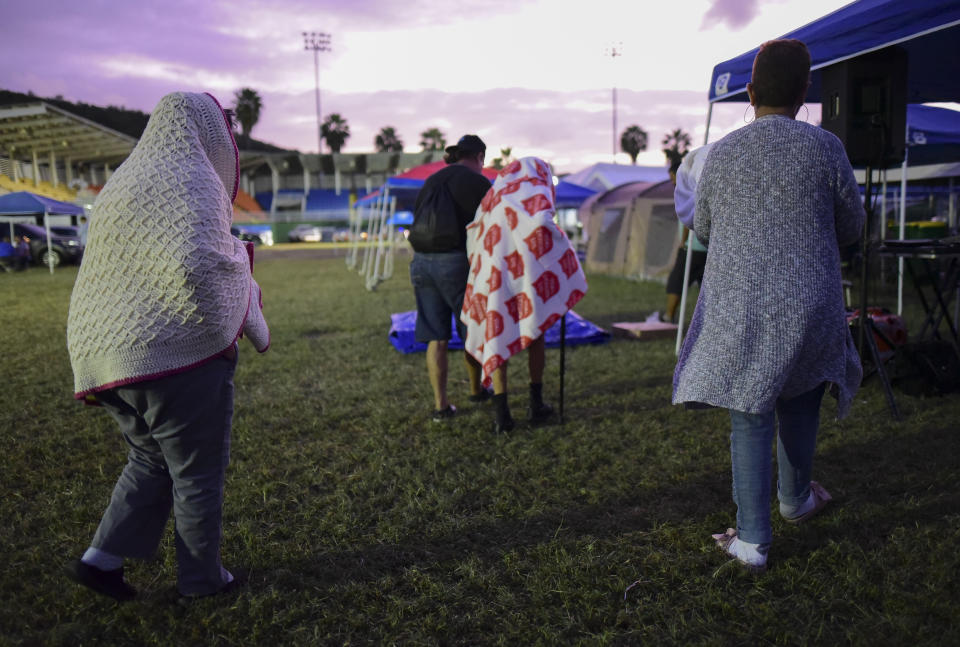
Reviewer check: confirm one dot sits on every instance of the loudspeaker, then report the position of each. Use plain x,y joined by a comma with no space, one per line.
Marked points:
864,103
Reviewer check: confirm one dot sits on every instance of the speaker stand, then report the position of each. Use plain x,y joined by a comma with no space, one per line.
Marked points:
867,330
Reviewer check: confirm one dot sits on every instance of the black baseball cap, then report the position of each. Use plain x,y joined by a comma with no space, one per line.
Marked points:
468,144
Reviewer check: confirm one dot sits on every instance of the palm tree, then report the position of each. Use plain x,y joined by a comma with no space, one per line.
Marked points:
632,141
247,105
388,141
432,140
675,144
335,131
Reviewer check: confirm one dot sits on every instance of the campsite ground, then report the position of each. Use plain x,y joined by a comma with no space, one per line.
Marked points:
364,523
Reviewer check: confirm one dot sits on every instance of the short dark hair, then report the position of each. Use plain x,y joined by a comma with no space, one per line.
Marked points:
781,73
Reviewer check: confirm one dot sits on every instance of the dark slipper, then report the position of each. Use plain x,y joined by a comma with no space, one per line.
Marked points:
109,583
444,414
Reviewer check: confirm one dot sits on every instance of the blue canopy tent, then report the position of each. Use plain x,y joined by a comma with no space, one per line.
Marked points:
570,195
16,205
929,31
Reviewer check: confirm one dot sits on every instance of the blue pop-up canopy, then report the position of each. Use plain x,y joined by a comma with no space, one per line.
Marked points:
23,203
929,30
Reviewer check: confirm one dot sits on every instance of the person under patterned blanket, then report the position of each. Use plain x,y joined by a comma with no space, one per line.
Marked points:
524,276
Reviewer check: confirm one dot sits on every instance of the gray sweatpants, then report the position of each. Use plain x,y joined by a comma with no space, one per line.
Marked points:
178,431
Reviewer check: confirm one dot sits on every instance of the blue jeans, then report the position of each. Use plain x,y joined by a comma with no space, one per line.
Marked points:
439,283
750,439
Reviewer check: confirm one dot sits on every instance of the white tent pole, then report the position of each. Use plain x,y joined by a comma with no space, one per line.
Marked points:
351,258
686,269
392,244
903,227
46,225
370,224
882,216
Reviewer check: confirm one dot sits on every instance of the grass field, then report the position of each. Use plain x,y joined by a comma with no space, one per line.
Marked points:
364,523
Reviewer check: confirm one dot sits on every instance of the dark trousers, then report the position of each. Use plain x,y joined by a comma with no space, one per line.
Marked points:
178,432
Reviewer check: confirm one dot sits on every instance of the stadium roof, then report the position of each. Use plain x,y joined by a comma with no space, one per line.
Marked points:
41,128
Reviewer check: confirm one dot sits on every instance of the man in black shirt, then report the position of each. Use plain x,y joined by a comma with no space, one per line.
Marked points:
449,200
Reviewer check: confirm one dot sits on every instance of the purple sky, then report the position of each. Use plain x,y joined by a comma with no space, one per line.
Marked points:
528,74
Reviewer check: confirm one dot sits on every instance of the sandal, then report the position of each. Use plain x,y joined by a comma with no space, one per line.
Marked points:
820,499
725,541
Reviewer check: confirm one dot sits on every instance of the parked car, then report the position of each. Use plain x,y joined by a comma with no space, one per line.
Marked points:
342,236
246,235
65,244
305,234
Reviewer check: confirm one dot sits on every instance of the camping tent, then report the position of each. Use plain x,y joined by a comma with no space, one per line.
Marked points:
929,31
605,176
633,230
23,205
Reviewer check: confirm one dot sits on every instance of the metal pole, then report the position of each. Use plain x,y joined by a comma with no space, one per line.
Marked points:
316,79
563,358
317,41
614,123
613,51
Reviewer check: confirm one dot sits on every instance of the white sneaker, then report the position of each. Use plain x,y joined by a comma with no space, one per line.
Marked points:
654,318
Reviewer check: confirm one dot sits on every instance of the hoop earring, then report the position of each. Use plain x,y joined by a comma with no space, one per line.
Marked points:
745,114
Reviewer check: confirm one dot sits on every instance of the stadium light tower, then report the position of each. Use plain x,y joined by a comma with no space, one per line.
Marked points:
613,51
317,41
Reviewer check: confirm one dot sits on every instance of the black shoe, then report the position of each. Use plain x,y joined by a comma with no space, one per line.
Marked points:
483,396
109,583
539,413
503,427
240,578
445,414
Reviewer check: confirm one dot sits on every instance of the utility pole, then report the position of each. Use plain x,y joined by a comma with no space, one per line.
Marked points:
317,41
613,51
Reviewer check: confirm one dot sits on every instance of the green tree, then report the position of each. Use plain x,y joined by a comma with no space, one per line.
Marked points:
675,144
247,104
632,141
388,141
433,140
335,131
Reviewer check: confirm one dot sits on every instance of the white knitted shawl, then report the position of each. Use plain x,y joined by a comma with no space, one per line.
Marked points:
164,286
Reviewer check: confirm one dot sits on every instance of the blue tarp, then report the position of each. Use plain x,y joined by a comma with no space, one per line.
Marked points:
929,30
26,203
579,331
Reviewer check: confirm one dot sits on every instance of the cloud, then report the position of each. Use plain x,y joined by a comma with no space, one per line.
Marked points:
737,14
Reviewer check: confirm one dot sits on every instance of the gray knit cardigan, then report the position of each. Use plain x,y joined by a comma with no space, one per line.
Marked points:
775,202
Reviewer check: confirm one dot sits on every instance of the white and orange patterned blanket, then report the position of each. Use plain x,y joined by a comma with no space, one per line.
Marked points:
524,273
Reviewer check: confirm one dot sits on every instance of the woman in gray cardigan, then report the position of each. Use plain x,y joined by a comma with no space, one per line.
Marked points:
776,201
